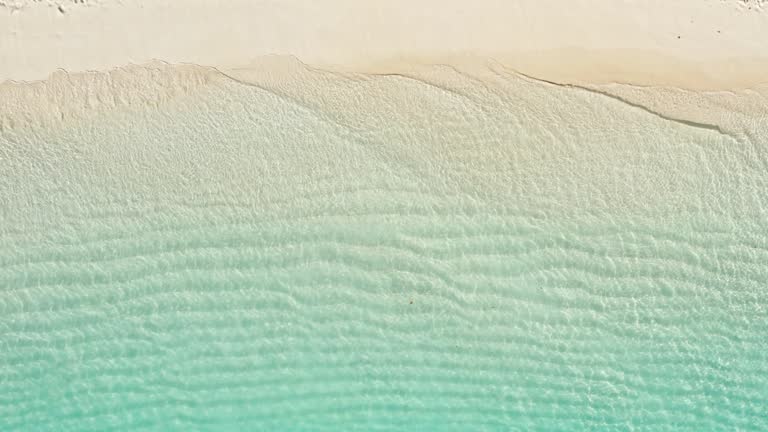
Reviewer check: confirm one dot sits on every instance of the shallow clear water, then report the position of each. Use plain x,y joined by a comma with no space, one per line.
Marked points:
382,253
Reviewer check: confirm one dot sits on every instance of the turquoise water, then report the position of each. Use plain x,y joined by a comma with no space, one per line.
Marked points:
381,253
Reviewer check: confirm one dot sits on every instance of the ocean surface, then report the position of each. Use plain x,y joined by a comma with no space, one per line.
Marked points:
440,250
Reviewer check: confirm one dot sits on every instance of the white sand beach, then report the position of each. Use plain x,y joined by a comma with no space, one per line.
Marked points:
704,44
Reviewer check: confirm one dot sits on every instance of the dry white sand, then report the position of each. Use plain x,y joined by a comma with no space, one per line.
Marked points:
683,43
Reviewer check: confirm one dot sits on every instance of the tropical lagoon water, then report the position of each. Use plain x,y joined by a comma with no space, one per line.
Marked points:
359,252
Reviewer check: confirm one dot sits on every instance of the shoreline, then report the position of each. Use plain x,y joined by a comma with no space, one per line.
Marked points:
586,67
564,66
696,45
